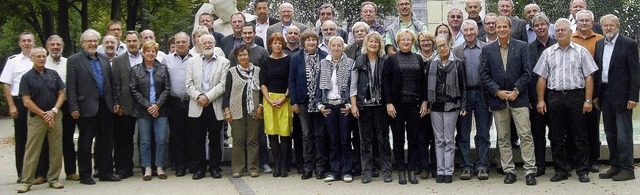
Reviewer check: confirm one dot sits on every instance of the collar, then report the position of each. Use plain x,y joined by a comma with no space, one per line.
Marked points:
214,57
50,59
538,42
331,58
89,57
134,56
577,34
499,44
451,57
477,45
557,46
615,38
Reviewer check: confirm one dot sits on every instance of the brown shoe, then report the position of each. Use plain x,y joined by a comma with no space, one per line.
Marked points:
162,176
39,180
255,174
73,177
146,178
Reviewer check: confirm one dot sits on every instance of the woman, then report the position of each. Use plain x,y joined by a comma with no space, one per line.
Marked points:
443,29
243,111
278,117
366,100
402,89
302,89
149,84
426,42
447,97
332,98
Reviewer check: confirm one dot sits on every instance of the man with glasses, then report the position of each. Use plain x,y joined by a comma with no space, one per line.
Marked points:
286,19
328,12
489,28
454,19
404,21
329,29
115,29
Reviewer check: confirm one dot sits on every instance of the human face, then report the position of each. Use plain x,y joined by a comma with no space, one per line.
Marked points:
610,28
473,8
133,44
470,34
54,46
490,25
109,43
373,45
196,40
584,22
293,35
405,42
147,36
336,47
531,10
262,10
368,13
504,7
404,7
329,29
577,5
442,46
425,44
454,19
541,28
237,21
115,30
208,43
182,44
276,46
286,13
503,29
150,54
443,30
172,47
563,33
39,57
243,58
326,14
26,43
90,43
205,20
360,33
310,44
248,35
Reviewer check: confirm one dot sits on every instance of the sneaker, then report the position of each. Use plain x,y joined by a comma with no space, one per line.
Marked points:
466,175
23,188
347,178
330,178
39,180
56,185
266,169
73,177
482,175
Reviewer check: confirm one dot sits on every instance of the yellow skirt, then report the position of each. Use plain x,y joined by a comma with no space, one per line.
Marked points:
277,121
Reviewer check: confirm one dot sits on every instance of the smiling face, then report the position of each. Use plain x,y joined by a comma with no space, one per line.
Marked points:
54,46
26,43
473,8
109,44
133,44
368,13
442,46
248,35
503,29
425,43
150,54
541,28
310,44
276,46
373,44
286,13
405,42
182,44
90,42
584,22
577,5
531,10
470,33
337,47
404,7
454,19
243,58
293,34
504,7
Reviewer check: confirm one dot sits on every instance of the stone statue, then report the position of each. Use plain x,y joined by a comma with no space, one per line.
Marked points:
222,9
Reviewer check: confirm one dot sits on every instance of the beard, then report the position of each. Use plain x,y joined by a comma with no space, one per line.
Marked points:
610,35
207,52
56,54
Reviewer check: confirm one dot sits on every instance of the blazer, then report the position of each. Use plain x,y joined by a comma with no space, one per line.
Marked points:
121,69
140,88
494,77
624,71
277,27
298,77
226,44
82,89
519,29
459,53
194,85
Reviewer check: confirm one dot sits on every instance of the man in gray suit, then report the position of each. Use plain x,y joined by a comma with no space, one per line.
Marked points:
286,19
518,26
93,99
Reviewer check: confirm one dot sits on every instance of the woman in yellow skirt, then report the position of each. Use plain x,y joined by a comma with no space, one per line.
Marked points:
278,116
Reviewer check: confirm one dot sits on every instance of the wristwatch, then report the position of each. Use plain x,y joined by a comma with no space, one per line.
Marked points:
589,101
55,110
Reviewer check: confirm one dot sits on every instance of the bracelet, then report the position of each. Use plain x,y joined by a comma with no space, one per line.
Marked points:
227,112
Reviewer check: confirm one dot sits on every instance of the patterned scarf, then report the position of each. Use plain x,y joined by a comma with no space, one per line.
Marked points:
311,66
374,80
247,75
452,87
342,73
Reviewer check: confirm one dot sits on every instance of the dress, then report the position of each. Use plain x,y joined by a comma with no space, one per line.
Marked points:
274,75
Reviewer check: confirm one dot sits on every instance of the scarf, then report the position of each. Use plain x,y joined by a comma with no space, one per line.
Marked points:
311,66
451,84
342,73
247,75
374,79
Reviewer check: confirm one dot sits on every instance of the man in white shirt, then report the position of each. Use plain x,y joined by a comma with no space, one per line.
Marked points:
115,30
263,21
148,35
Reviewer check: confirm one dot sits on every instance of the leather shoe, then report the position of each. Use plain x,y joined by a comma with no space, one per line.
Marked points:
609,174
125,174
412,177
594,169
198,175
321,175
510,178
96,174
146,178
387,177
530,179
439,178
216,174
583,178
306,175
375,173
559,177
181,172
448,178
402,177
540,172
624,176
366,177
87,181
109,177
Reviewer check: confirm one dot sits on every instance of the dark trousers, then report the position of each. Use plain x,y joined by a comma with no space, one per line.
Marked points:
539,124
314,139
20,131
619,130
407,115
374,128
206,123
593,136
263,148
68,147
354,131
339,136
280,150
475,108
428,151
123,129
179,136
99,126
565,110
297,142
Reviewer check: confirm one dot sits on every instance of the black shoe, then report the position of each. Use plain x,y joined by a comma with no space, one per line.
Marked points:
510,178
96,174
402,177
412,177
609,174
284,174
594,169
300,170
356,172
375,173
583,177
530,179
306,175
624,176
366,178
198,175
540,172
181,172
125,174
87,181
448,178
515,144
439,178
109,177
321,175
216,174
276,174
387,177
559,177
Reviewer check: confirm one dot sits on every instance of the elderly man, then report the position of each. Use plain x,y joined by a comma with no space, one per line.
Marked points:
109,44
43,93
177,64
206,20
368,14
360,30
293,40
454,19
505,76
286,13
539,122
489,23
232,41
329,29
93,98
619,80
114,28
148,35
565,71
328,12
205,89
531,10
574,7
473,9
404,21
469,52
263,21
505,8
16,66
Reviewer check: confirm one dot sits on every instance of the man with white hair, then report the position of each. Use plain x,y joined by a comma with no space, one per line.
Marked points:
505,8
360,31
574,7
473,9
531,10
286,12
329,29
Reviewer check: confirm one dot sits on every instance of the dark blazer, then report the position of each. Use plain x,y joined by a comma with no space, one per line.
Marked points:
494,76
271,21
226,44
519,29
121,69
392,80
217,36
353,51
277,27
298,77
140,88
534,55
624,71
82,90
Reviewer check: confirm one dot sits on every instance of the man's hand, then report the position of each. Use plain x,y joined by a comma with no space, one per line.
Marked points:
203,101
391,110
586,107
631,105
154,110
541,107
502,94
512,95
259,112
116,108
48,116
75,114
295,108
355,112
13,111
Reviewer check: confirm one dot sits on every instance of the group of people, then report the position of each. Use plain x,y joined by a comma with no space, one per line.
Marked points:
333,94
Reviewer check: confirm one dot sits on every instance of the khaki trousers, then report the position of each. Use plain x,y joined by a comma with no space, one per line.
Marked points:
37,131
523,127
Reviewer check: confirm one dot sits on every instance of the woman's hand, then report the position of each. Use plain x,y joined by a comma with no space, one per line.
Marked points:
227,115
295,108
259,112
391,110
325,112
346,110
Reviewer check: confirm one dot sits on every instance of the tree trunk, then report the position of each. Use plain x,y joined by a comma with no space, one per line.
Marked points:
63,27
132,13
144,23
47,23
85,15
116,10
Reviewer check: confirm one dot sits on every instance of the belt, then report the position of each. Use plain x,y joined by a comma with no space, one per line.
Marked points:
566,91
181,99
334,102
474,88
16,97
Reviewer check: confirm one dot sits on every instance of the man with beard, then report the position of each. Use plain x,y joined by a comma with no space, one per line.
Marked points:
328,12
109,44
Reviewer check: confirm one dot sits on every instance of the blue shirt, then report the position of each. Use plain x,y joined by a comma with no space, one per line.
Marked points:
152,91
97,73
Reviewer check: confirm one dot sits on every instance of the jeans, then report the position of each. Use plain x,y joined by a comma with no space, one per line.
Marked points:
477,108
314,139
566,114
374,128
339,144
619,131
407,115
160,137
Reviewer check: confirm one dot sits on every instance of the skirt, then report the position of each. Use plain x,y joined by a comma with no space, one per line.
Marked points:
277,121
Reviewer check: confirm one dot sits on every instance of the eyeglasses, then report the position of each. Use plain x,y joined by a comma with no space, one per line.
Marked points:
442,46
328,29
490,23
90,41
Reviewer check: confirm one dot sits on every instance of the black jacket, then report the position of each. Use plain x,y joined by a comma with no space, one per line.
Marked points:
140,86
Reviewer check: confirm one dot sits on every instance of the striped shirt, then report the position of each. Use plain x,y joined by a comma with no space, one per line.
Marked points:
565,69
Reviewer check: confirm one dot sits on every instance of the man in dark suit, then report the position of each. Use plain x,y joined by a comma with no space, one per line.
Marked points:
518,26
263,21
505,75
207,20
93,99
286,19
233,40
617,58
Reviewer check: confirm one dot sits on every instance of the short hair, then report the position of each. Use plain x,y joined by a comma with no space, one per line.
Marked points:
533,4
327,21
405,31
253,27
615,18
455,9
360,25
442,37
238,13
172,40
24,34
209,36
473,23
336,38
398,2
112,22
39,48
132,32
564,21
240,48
585,11
427,36
309,33
276,37
92,31
109,36
150,45
199,30
328,5
260,1
540,16
180,33
206,14
490,14
286,5
373,35
375,7
512,4
52,37
503,19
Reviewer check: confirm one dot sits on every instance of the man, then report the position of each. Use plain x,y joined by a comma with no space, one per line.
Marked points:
473,9
177,64
587,38
617,57
109,44
539,122
56,62
148,35
454,19
574,7
360,31
205,87
114,29
329,29
489,28
505,76
286,13
469,52
231,41
404,21
206,20
293,40
257,53
42,89
368,14
505,8
531,10
16,66
93,98
124,121
263,21
328,12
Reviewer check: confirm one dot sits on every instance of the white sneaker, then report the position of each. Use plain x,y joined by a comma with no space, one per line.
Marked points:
266,169
329,178
347,178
